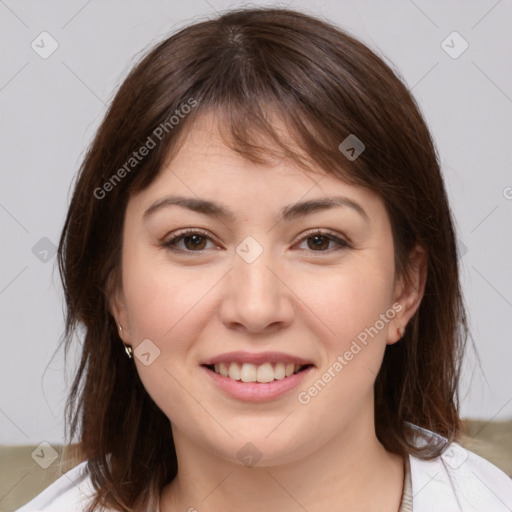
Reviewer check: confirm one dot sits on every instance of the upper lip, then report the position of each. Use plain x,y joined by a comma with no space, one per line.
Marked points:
256,358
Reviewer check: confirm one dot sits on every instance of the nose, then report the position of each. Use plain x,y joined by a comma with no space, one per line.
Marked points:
257,297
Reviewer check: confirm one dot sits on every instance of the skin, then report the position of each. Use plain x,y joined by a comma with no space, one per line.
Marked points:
294,298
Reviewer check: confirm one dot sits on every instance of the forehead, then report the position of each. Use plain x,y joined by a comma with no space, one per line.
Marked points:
205,152
205,166
210,136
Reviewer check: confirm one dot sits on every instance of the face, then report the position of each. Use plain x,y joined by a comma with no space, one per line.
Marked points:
258,319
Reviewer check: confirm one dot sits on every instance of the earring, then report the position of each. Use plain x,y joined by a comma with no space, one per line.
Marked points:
129,351
127,348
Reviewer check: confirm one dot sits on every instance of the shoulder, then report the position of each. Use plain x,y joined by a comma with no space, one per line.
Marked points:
457,480
71,492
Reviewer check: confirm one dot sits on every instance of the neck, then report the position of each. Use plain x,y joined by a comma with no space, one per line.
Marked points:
352,472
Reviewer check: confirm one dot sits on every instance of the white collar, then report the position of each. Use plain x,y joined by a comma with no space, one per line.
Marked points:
456,481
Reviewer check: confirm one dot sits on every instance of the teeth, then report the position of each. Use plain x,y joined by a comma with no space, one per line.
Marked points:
234,371
223,370
279,371
247,372
265,373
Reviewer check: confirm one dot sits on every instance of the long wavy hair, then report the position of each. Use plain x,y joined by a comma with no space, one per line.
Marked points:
324,85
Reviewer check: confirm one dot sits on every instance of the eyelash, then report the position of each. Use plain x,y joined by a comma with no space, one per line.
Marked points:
171,243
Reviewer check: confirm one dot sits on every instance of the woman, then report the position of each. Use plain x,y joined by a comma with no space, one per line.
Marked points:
261,250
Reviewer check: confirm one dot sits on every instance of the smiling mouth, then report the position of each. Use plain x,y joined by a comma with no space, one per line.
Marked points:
264,373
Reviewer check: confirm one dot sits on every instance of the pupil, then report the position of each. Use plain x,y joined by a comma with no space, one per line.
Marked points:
319,238
196,240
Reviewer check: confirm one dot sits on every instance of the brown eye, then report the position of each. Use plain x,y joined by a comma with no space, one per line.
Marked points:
191,241
319,241
194,242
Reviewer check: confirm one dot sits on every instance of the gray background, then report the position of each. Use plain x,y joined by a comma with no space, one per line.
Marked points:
50,109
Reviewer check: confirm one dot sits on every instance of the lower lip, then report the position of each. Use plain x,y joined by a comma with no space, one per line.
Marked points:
257,391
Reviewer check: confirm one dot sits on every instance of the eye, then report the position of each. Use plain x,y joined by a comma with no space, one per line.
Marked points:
193,241
320,241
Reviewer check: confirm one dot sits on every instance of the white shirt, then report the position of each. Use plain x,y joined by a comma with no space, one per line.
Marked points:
456,481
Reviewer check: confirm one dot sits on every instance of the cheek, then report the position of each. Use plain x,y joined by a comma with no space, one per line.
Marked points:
353,307
350,299
152,304
165,303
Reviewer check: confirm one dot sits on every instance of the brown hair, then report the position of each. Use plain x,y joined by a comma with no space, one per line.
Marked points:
324,85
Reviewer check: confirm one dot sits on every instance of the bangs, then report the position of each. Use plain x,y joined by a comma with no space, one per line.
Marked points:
263,132
272,102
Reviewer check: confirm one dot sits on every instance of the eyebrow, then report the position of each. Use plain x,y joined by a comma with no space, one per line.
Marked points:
288,213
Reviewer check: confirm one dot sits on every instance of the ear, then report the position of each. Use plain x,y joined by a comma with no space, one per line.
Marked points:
117,307
409,290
